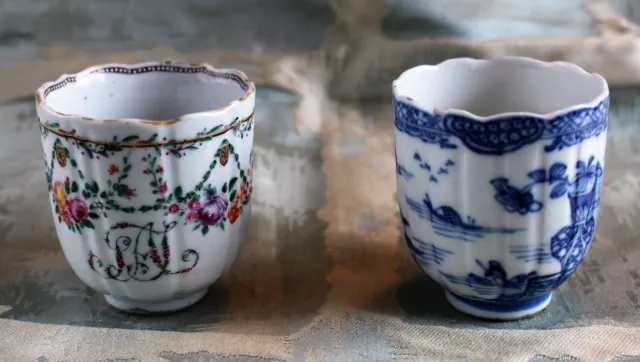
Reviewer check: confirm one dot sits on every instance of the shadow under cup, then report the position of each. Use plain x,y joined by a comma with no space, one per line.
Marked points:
500,167
149,172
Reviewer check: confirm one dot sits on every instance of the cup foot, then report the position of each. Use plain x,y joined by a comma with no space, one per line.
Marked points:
173,305
496,310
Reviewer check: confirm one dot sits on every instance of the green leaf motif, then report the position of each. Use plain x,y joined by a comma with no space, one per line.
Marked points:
232,183
130,139
74,187
224,187
93,215
232,196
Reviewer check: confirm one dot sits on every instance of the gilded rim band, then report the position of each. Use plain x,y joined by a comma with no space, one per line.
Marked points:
143,144
232,75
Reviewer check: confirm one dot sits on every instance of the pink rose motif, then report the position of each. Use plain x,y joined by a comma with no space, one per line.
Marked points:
194,205
78,208
192,216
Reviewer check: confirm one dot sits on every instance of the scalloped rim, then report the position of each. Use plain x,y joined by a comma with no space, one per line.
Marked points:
474,63
88,72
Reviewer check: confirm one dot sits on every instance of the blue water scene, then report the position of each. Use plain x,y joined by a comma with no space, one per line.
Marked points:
494,283
448,223
568,246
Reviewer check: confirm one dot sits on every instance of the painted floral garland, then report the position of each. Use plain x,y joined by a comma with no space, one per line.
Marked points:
205,205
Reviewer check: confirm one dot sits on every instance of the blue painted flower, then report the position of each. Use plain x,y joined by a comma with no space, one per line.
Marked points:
586,177
514,199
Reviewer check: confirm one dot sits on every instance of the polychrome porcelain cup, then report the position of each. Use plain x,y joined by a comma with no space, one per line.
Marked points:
500,166
149,172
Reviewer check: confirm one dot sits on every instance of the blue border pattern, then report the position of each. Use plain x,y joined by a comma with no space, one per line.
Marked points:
504,135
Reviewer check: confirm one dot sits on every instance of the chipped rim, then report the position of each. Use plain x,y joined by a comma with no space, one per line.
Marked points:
475,64
165,66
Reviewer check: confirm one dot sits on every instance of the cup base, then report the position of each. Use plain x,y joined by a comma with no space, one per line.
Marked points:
173,305
496,310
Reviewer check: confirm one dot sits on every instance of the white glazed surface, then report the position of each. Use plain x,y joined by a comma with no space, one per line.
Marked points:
485,91
100,107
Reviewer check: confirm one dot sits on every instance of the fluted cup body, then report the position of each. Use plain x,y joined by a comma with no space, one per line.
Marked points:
500,165
149,172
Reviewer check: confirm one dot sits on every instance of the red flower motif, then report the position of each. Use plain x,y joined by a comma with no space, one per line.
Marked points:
127,192
122,225
192,216
173,208
78,209
234,213
67,181
163,189
113,169
160,170
193,204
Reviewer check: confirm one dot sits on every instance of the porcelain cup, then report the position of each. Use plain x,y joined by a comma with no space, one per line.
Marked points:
499,168
149,172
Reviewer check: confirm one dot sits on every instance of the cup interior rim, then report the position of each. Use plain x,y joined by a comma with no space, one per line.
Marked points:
474,64
189,68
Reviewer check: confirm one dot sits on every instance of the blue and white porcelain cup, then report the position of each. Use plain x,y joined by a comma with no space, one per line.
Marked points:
500,165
